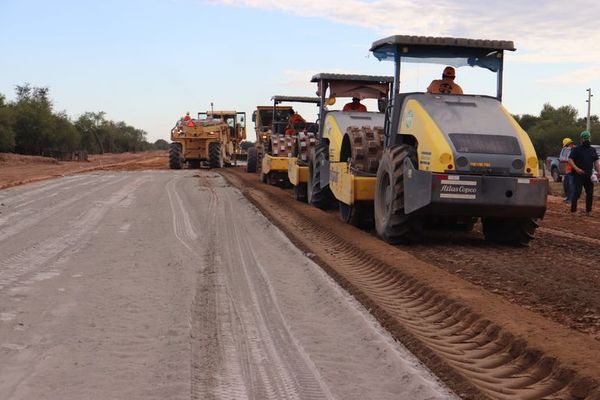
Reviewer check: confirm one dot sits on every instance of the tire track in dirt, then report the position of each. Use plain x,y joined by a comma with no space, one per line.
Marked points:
496,362
52,250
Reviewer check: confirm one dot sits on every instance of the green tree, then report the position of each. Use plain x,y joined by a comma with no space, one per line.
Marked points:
7,135
161,144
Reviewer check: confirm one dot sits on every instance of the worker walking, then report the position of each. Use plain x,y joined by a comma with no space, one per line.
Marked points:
583,160
568,177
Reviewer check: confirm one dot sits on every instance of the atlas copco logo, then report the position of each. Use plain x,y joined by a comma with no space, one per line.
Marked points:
458,189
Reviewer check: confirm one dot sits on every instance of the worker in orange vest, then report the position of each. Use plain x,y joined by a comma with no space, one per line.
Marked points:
445,85
355,105
293,119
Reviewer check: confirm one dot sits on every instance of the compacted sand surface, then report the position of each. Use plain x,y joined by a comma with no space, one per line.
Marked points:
170,285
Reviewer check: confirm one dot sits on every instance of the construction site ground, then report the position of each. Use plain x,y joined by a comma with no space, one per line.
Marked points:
490,321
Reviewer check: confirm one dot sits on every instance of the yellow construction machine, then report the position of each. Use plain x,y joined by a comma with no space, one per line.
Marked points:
277,140
342,167
296,143
454,158
211,140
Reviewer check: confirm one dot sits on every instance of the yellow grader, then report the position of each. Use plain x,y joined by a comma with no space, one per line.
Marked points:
211,140
451,158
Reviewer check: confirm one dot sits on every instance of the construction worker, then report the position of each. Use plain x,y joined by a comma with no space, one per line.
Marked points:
445,85
568,177
355,105
583,160
187,116
293,119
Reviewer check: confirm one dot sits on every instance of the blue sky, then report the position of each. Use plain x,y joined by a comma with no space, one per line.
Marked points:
148,62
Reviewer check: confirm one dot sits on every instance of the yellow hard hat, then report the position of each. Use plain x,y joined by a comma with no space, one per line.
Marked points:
567,141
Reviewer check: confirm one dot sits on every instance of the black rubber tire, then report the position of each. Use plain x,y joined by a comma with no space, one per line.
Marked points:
555,175
300,192
357,214
175,155
319,197
391,223
215,158
510,231
264,178
252,160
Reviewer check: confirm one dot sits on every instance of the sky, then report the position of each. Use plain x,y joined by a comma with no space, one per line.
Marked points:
148,62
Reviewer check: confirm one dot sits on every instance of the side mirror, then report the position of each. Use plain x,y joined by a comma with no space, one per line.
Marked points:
254,116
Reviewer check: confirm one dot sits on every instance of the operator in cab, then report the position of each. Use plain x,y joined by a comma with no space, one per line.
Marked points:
355,105
293,119
445,85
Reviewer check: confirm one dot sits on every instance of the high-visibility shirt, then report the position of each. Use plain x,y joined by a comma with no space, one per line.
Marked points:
191,124
296,119
444,86
355,107
186,118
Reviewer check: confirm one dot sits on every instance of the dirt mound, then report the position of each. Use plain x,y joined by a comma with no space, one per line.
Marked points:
18,169
19,159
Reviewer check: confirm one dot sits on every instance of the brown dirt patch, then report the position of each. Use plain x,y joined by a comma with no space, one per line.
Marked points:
546,283
19,169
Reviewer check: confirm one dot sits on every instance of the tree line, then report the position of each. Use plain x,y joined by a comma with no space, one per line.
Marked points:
30,125
552,125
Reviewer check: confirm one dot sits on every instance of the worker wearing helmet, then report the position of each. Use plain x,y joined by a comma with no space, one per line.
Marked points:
445,85
583,160
568,144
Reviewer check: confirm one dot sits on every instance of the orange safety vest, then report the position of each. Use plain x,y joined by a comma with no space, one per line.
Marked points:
444,86
358,107
296,119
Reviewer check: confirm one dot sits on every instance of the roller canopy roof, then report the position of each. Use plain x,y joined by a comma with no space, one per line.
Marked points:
296,99
353,78
360,86
458,52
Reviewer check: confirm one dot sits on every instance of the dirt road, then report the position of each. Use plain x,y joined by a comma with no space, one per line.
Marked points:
452,298
169,284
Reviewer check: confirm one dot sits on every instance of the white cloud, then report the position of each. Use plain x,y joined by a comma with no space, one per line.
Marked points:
577,77
544,31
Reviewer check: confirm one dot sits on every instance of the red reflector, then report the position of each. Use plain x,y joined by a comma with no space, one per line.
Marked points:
442,177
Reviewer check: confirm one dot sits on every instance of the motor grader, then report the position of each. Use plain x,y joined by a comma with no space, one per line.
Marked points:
210,140
454,158
342,167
